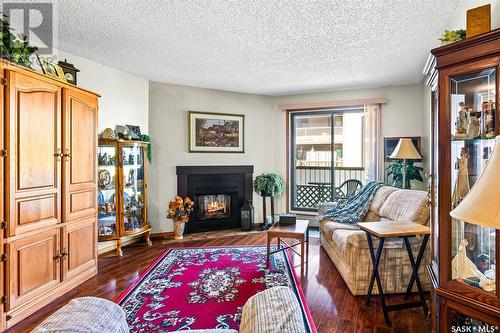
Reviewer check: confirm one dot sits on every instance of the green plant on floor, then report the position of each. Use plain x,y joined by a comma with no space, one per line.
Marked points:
269,184
396,171
452,36
15,48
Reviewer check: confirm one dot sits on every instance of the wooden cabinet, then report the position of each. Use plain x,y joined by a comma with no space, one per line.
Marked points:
79,247
50,189
122,185
3,224
465,78
33,141
79,154
34,266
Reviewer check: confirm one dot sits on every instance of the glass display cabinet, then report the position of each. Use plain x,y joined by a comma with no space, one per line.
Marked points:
122,191
464,78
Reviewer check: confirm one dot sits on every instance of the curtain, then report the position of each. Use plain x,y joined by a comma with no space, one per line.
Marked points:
372,142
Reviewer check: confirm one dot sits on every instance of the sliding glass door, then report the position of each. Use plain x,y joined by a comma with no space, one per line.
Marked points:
326,151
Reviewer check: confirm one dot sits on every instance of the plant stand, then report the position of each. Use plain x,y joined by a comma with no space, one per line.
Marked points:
266,225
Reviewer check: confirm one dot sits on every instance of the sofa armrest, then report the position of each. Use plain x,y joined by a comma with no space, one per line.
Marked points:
324,206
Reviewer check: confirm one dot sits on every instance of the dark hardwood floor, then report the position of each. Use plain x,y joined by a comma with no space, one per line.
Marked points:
333,307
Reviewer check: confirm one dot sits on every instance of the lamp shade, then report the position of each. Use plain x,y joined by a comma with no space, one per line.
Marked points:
481,205
406,150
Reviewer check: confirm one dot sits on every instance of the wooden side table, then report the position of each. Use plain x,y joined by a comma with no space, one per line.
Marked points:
404,230
298,231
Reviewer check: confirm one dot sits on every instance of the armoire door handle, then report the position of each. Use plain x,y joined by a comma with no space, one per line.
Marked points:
67,154
58,256
58,154
64,253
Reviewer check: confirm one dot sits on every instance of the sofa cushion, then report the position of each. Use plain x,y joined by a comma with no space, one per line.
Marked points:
274,310
406,205
380,197
327,228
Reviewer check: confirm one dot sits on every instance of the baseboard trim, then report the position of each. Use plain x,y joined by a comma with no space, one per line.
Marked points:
162,235
112,247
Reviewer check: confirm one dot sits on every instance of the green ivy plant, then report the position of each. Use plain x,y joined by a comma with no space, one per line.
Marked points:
452,36
149,149
269,184
15,48
396,171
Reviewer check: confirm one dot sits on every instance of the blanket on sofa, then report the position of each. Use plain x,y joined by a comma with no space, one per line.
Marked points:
355,208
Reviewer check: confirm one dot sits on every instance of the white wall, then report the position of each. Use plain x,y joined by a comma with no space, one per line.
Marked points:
124,97
265,132
169,105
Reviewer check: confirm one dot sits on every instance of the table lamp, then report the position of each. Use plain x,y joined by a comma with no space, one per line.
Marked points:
405,150
481,206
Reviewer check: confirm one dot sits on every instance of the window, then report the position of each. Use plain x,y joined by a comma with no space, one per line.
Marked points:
326,149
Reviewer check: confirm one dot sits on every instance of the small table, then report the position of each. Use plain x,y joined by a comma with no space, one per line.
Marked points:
403,230
298,231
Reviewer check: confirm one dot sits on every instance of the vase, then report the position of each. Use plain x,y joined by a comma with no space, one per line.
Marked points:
179,229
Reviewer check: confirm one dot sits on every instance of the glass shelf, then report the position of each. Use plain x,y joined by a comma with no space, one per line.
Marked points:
133,174
106,190
473,113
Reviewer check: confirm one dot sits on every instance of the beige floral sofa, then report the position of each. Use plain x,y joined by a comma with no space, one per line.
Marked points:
347,245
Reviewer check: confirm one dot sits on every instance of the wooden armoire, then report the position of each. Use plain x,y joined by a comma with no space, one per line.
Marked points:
465,78
49,181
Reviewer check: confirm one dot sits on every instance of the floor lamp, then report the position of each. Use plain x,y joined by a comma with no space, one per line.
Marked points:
405,150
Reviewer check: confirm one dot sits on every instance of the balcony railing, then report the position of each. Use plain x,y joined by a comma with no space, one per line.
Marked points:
314,185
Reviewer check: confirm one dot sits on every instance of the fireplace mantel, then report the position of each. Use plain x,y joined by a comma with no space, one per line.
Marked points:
233,180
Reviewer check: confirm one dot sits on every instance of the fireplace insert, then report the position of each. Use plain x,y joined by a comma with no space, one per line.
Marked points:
213,206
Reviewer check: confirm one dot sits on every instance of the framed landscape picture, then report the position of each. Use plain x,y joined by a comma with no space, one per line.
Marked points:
216,132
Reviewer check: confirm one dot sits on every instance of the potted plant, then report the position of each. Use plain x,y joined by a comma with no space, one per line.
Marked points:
269,185
451,36
15,48
179,211
396,171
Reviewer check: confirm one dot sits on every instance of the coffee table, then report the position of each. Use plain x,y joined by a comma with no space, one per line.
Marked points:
298,231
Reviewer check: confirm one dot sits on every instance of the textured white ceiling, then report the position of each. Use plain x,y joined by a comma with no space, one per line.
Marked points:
258,46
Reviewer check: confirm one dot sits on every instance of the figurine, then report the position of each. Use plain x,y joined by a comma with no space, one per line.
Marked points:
131,159
462,186
474,128
483,262
489,120
462,122
463,268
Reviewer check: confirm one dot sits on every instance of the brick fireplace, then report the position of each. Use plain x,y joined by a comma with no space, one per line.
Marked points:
219,192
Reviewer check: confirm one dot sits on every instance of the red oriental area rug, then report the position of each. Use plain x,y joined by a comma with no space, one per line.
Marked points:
203,288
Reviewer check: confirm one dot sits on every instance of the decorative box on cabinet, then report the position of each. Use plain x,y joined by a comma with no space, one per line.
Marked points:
463,76
122,191
50,189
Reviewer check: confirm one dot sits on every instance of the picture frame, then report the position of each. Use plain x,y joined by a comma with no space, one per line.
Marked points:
211,132
50,69
390,144
135,129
